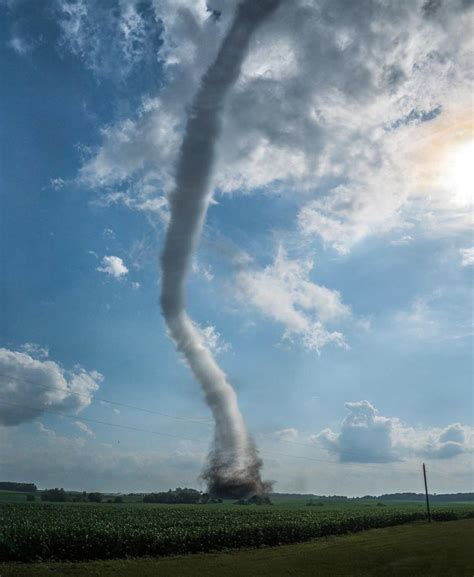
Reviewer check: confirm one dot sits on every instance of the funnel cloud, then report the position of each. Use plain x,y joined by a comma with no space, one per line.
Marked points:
234,467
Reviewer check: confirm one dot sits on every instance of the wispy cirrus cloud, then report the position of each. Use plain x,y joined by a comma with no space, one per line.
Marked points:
103,34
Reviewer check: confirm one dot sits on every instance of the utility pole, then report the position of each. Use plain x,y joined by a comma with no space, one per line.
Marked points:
426,493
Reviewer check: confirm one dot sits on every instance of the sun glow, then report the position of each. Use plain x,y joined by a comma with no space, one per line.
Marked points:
443,159
457,174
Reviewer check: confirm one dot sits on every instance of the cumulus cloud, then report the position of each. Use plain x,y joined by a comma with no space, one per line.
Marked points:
364,436
355,110
467,256
41,384
113,266
367,437
283,292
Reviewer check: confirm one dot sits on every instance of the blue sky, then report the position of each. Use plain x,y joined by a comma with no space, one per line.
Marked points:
334,276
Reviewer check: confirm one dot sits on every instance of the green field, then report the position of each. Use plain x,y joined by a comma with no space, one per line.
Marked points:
13,497
415,550
86,531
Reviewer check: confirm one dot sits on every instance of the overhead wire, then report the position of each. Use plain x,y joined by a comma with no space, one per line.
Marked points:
181,418
178,437
102,400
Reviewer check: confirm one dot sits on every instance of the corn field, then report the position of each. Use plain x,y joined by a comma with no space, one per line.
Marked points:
35,532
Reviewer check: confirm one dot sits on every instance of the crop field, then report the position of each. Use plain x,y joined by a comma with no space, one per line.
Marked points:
74,532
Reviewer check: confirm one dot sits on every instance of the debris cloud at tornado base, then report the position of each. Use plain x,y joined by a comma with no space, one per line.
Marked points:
233,468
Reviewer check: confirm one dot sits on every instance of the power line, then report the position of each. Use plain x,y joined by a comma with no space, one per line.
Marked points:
136,429
179,418
95,421
102,400
151,432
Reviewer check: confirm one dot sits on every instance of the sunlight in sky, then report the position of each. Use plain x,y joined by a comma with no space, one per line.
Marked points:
457,173
444,165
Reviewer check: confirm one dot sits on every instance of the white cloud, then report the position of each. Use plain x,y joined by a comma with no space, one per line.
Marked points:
20,45
57,183
108,234
213,340
355,111
101,36
43,429
367,437
419,320
467,256
402,241
84,428
437,316
29,383
364,436
113,266
289,434
35,350
205,271
284,293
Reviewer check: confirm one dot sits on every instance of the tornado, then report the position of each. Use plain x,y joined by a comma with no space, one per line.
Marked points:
233,467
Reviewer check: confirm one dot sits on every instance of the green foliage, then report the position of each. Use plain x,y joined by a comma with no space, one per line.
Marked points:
421,550
94,497
19,487
80,531
55,495
178,496
255,500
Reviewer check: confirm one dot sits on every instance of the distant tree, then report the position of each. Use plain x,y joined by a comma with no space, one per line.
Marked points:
178,496
19,487
95,497
118,499
30,497
54,495
255,500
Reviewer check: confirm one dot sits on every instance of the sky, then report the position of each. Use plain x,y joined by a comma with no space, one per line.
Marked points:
333,280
